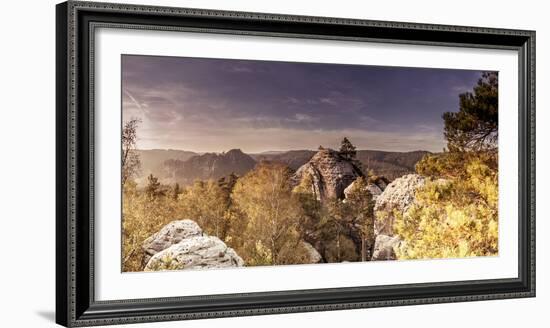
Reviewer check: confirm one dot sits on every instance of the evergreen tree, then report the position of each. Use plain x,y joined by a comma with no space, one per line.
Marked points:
176,191
227,183
347,149
153,188
475,126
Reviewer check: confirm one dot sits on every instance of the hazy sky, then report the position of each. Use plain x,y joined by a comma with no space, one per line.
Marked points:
213,105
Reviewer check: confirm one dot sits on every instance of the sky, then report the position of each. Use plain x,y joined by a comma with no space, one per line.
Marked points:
214,105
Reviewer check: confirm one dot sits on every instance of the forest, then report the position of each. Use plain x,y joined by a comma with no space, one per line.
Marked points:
332,208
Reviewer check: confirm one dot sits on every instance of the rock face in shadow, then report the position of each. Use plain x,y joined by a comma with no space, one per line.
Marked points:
181,244
328,173
398,196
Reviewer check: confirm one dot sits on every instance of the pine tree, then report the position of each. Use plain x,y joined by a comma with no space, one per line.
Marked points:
153,188
347,149
475,126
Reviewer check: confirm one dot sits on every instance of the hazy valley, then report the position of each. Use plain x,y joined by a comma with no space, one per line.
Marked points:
184,167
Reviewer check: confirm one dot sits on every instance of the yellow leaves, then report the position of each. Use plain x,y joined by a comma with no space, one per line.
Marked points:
207,204
455,218
142,216
463,248
493,229
263,254
272,212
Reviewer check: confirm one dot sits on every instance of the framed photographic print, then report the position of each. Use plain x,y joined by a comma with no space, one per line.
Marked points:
214,163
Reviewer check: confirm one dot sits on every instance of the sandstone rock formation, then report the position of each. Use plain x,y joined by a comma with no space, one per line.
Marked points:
314,256
372,188
181,244
197,252
384,247
170,234
328,173
398,195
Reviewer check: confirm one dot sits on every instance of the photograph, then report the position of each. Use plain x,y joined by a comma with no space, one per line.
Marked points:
239,163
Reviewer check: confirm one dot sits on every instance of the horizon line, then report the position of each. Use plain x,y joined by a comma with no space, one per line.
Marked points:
279,151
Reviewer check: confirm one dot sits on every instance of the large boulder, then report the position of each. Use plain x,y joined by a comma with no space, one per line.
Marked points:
372,188
313,254
197,252
170,234
328,173
384,247
398,196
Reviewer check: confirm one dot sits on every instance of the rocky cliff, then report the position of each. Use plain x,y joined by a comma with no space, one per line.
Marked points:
328,174
398,196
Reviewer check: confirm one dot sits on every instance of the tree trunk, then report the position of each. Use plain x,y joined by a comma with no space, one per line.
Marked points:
363,250
338,247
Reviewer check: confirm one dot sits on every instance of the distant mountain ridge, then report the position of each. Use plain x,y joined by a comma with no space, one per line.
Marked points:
184,167
153,159
293,158
207,166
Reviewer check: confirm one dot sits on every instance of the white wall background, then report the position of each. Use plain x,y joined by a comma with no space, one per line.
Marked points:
27,161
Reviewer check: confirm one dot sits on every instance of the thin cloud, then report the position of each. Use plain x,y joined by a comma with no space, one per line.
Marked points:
217,104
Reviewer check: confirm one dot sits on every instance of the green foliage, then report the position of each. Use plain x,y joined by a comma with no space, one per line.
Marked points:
347,149
475,126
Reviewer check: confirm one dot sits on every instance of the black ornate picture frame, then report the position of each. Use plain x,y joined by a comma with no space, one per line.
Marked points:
75,279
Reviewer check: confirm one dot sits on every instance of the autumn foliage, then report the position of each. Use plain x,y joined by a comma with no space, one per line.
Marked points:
456,212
